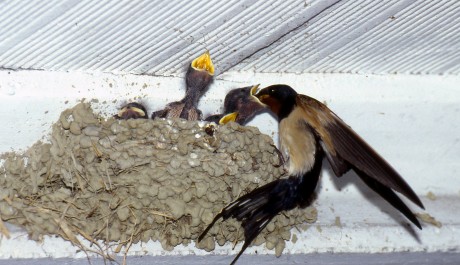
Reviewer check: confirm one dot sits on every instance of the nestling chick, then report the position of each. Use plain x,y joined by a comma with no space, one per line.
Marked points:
198,77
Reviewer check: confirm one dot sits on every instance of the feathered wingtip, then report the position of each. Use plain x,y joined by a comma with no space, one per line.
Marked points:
390,196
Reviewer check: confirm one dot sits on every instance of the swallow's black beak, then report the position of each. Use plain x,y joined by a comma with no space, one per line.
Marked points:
262,95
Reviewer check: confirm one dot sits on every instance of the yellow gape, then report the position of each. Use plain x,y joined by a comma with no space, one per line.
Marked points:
204,63
228,118
138,110
254,90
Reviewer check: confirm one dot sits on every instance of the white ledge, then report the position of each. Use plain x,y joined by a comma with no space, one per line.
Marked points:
412,121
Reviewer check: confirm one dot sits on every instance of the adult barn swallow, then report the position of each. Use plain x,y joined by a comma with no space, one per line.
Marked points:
132,110
308,131
198,77
240,105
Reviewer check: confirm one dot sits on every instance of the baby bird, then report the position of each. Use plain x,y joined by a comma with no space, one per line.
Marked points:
240,106
199,75
132,110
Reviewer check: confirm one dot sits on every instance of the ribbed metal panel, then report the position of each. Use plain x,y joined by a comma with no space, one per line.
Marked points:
160,37
385,37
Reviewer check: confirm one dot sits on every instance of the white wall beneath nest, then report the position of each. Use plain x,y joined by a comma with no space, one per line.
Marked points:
412,121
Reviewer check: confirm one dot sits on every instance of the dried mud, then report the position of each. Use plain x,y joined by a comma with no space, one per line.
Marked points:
140,180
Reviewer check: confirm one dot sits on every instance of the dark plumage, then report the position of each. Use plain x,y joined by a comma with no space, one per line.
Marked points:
198,77
240,106
308,132
132,110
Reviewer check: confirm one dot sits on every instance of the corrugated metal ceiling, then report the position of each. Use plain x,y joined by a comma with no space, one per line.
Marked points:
160,37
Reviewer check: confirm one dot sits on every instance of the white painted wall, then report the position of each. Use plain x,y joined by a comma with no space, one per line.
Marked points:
412,121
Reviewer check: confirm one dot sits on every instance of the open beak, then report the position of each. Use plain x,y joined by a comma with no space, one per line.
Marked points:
228,118
204,63
254,89
255,93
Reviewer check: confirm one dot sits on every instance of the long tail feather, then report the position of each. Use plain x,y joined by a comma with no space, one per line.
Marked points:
244,207
256,209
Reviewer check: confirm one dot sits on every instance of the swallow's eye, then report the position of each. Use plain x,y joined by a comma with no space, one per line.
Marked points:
272,91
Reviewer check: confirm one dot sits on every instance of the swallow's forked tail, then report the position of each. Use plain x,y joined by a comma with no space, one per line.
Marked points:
257,208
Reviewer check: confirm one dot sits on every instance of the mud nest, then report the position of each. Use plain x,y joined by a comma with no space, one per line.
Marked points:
121,182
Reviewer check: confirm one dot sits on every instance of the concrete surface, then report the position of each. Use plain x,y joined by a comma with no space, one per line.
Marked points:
318,259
